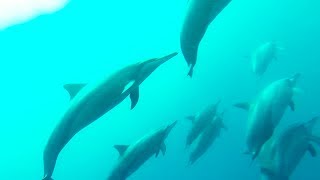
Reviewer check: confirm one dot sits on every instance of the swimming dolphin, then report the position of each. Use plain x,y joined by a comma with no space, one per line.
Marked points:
135,155
200,13
263,56
200,121
281,154
89,102
266,112
207,137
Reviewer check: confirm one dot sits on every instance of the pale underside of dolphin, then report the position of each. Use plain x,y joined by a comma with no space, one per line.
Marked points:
89,102
199,14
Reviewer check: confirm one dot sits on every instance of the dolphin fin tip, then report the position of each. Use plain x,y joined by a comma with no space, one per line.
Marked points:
190,73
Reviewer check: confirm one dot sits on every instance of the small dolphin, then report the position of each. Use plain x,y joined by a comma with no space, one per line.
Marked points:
281,154
263,56
207,137
135,155
201,121
89,102
200,13
266,112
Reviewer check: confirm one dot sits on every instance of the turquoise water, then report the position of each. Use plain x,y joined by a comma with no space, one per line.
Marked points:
84,41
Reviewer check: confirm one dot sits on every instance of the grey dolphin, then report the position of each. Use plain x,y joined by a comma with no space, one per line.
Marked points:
266,112
281,154
200,13
89,102
200,121
263,56
134,156
207,137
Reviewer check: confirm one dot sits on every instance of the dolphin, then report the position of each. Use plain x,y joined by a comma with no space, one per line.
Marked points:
281,154
199,15
266,112
207,137
135,155
91,101
200,121
263,56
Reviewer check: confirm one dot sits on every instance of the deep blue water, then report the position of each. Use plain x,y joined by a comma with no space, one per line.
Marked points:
85,40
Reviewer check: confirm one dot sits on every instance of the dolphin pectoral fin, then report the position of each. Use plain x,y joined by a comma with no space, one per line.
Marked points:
291,105
121,148
134,96
73,89
312,150
163,148
191,118
243,105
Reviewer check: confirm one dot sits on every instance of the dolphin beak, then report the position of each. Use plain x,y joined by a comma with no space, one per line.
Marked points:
171,126
164,59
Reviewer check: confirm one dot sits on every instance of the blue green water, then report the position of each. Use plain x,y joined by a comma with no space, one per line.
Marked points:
85,40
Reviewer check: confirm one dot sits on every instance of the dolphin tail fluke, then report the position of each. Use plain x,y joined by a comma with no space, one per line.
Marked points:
190,73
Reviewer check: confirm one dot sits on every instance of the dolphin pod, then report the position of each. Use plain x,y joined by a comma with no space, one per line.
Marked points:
199,15
91,101
200,121
207,137
278,154
266,112
281,154
133,156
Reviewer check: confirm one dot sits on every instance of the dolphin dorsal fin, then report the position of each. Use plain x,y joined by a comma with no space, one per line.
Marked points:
121,149
73,89
243,105
312,150
134,96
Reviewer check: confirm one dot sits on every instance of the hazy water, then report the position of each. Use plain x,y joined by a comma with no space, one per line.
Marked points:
88,39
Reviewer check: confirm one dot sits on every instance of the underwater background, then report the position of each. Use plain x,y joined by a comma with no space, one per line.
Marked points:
85,40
